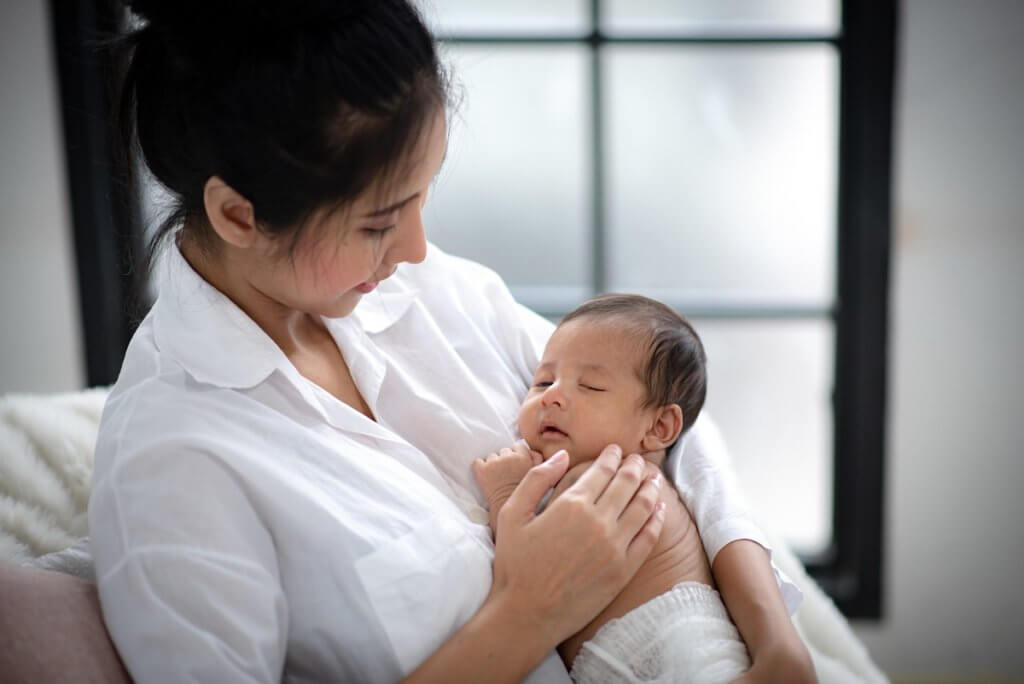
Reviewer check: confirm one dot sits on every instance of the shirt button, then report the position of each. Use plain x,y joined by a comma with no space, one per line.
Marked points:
479,515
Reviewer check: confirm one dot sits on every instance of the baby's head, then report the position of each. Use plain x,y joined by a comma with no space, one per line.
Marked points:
620,369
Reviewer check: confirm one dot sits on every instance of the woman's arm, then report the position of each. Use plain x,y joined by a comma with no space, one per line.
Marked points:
187,572
746,581
737,548
555,571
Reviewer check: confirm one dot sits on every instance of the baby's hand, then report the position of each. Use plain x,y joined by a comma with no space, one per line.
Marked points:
499,473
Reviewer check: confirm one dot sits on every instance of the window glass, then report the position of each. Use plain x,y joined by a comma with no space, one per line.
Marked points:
515,190
721,171
769,390
533,17
731,16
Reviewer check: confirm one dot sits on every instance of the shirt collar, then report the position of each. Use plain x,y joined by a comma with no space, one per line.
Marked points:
214,340
217,343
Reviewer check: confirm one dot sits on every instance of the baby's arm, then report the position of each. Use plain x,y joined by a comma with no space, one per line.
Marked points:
499,474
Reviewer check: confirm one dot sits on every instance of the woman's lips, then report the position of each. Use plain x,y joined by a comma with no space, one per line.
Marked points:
368,286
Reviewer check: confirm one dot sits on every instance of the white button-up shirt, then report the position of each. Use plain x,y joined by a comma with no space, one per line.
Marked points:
248,526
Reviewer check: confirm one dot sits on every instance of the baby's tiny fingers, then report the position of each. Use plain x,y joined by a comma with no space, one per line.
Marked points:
521,449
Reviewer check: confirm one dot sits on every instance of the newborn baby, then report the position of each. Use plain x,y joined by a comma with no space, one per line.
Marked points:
627,370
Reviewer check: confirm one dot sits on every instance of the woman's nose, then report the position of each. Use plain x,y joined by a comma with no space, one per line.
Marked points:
411,246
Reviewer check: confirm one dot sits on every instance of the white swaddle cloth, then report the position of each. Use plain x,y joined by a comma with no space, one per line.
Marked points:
683,635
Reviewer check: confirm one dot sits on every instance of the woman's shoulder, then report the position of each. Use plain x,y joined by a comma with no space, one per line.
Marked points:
155,406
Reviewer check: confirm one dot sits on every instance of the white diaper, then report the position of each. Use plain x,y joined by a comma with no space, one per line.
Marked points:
684,635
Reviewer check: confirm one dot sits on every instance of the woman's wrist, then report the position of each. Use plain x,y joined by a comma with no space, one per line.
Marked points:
510,616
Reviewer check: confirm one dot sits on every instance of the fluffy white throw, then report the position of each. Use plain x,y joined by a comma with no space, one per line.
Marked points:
46,448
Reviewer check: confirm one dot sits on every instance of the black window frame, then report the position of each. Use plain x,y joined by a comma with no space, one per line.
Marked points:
107,232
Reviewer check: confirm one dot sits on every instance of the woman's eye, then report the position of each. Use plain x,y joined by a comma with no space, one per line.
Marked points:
379,232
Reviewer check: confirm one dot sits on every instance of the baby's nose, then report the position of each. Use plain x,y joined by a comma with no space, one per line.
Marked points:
553,396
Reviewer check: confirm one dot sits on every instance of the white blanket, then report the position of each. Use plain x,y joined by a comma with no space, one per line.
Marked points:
46,449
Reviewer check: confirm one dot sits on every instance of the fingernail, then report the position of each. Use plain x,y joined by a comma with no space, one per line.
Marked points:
660,509
559,456
656,480
616,449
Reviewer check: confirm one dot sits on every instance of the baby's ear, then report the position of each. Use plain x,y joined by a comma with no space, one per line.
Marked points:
668,423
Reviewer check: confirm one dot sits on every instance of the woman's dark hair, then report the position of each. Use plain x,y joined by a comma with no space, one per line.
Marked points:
298,105
674,369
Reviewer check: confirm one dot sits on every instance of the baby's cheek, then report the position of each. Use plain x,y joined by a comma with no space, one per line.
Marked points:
523,422
591,446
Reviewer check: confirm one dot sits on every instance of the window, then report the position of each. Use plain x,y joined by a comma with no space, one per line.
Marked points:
730,158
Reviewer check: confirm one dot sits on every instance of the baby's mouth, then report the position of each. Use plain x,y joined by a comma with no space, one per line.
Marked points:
552,432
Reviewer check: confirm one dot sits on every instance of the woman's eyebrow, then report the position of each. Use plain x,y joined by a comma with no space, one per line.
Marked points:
392,207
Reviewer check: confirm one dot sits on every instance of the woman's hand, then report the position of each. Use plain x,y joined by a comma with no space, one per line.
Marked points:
562,567
553,572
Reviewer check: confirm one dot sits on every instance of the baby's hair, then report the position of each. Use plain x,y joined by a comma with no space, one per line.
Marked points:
674,370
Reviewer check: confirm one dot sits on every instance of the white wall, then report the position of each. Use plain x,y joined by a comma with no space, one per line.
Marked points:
955,572
40,339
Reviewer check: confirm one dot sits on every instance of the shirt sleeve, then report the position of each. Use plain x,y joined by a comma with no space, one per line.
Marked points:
186,572
701,469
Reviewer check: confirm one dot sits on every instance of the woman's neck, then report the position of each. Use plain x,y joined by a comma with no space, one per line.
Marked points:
291,330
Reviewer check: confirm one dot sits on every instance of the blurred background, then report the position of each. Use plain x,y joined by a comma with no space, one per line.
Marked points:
831,192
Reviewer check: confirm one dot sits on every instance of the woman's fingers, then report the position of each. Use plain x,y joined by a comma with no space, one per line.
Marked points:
624,486
538,480
567,563
637,518
640,548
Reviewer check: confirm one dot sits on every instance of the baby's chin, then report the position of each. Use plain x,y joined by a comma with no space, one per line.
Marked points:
576,456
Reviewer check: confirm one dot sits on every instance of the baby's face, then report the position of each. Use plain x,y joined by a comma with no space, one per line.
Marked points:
586,394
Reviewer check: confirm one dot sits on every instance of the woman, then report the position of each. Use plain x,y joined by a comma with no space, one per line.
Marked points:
283,482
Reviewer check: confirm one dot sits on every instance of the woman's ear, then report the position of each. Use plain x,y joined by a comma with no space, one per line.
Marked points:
668,423
230,214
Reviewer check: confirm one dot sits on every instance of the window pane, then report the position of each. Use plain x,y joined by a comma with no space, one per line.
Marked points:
514,192
533,17
721,168
732,16
769,390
